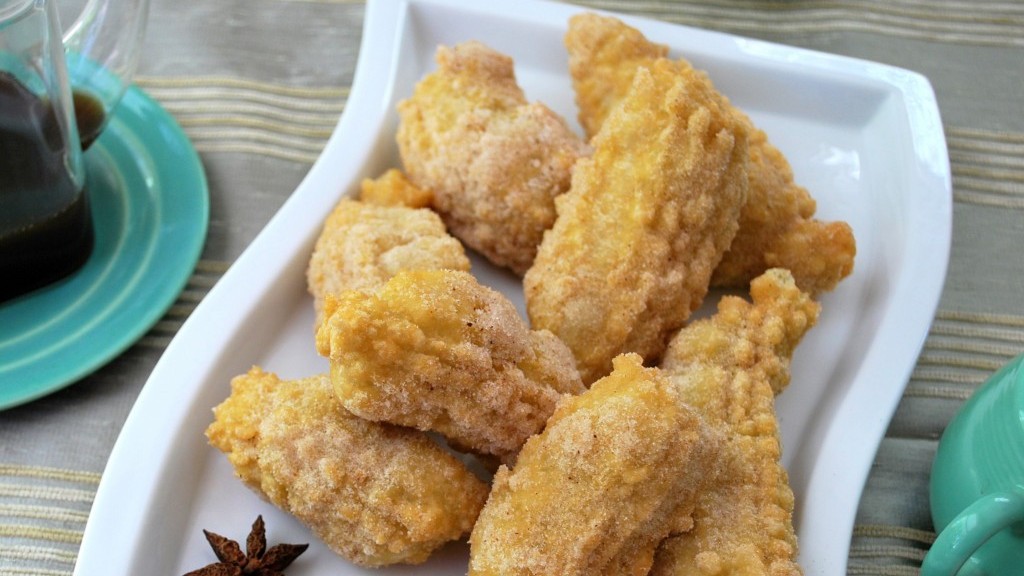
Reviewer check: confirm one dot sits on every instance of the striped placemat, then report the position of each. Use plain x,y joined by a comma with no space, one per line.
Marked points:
42,516
235,115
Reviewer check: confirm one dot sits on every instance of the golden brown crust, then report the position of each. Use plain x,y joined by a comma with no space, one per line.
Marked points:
393,189
494,162
776,226
375,494
757,337
729,367
602,61
647,220
363,245
617,469
437,351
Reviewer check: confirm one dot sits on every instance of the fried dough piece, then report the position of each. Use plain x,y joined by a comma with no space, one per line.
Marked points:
494,162
393,188
616,469
777,229
729,368
363,245
604,54
375,494
776,225
757,338
435,350
647,220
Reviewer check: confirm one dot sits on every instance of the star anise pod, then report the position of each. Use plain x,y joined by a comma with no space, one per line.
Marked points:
257,560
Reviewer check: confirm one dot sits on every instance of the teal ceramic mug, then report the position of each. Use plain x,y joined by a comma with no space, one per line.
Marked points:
977,483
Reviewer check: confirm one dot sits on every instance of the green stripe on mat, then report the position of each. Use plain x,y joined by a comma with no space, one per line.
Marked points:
20,471
224,114
38,554
955,23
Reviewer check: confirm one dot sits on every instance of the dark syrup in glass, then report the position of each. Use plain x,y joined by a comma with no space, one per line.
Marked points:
39,249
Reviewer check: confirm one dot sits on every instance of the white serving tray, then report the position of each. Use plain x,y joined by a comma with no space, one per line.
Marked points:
865,138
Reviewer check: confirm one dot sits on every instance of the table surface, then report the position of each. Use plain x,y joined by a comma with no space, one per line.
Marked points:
258,86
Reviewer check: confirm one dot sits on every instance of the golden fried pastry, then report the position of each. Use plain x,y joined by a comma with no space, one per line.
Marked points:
758,338
729,368
375,494
617,469
363,245
776,226
604,54
393,189
435,350
646,222
494,162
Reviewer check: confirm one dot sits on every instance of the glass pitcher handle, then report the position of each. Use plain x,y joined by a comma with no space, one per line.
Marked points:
980,521
102,48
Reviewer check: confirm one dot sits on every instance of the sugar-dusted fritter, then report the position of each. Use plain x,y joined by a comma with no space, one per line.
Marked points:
493,161
374,493
729,367
645,223
617,469
604,54
436,350
759,338
777,228
362,245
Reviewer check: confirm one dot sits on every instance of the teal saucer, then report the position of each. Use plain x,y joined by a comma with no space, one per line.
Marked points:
150,206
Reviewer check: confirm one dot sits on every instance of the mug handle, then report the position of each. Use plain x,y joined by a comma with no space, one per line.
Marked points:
980,521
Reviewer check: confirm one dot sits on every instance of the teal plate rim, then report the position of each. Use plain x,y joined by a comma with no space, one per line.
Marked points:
150,205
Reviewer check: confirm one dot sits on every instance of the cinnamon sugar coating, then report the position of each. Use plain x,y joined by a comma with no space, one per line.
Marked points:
645,223
436,350
729,367
617,469
362,245
493,161
375,494
776,227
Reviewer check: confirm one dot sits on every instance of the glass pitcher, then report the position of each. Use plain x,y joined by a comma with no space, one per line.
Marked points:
56,94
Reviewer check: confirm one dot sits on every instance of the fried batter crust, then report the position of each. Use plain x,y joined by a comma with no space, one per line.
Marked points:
375,494
362,245
494,162
617,469
647,220
759,338
776,227
393,188
729,368
604,54
438,351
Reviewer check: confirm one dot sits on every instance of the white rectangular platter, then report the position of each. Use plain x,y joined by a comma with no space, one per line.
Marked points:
864,138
